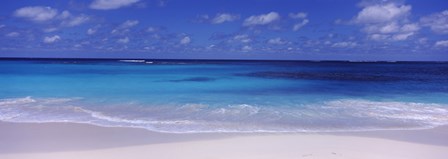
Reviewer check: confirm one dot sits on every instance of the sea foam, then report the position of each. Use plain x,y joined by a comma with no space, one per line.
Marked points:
327,116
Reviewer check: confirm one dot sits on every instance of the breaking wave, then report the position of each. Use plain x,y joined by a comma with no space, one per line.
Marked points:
329,116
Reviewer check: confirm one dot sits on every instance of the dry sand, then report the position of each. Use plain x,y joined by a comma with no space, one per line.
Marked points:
82,141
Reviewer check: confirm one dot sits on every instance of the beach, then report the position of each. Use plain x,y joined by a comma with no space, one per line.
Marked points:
251,79
183,109
70,140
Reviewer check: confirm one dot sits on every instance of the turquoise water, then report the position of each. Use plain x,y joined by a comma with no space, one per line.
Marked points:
187,96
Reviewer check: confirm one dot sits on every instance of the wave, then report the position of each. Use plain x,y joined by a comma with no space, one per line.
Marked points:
328,116
133,61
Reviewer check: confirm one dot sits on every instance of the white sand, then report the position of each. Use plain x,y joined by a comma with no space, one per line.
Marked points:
79,141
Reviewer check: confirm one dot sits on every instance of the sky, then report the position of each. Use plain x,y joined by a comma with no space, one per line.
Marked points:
366,30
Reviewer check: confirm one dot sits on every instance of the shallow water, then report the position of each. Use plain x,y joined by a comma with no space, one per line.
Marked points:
226,96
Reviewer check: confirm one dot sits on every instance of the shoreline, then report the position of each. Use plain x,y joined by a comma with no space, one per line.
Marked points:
71,140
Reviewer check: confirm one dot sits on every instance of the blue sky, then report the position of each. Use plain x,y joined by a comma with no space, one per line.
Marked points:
226,29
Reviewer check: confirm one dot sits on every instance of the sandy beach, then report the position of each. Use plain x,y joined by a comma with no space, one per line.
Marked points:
224,79
68,140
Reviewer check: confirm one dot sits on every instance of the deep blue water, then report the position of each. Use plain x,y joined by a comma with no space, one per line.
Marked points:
226,96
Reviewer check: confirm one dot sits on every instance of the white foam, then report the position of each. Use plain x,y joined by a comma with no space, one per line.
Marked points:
13,101
241,109
137,61
428,113
99,115
330,116
30,100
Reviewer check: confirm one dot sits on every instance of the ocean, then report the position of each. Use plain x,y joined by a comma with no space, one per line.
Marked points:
208,96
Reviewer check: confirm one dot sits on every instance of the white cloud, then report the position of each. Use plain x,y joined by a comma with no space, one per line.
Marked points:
69,20
45,14
243,38
224,17
383,29
387,21
75,20
262,19
124,40
51,39
111,4
299,15
344,44
391,31
380,13
246,48
64,15
378,37
391,28
152,29
210,47
186,40
217,19
412,27
438,22
2,26
125,26
277,41
402,36
36,13
49,30
297,26
13,34
129,23
442,43
91,31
